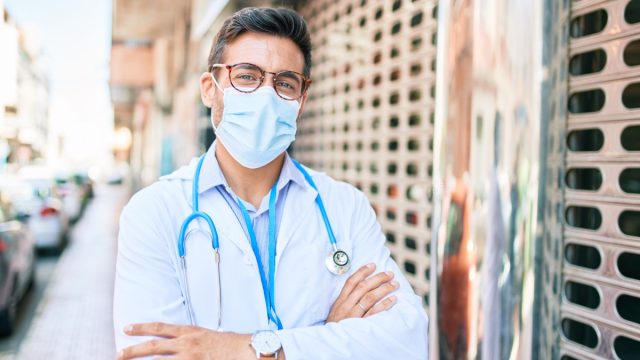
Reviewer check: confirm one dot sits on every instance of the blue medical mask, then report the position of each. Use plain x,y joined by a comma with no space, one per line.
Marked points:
256,127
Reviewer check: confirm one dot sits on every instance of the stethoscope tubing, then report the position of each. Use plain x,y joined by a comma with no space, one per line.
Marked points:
196,213
214,244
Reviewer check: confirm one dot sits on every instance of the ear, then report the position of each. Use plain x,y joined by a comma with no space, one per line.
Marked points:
207,89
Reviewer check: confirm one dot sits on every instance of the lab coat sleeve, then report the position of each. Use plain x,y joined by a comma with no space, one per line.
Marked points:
146,283
399,333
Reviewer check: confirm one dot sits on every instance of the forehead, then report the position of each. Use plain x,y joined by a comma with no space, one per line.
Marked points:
271,53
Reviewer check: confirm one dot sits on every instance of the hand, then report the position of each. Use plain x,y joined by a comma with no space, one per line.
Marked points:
361,295
187,342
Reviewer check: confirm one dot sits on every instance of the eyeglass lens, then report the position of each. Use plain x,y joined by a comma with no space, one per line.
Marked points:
248,77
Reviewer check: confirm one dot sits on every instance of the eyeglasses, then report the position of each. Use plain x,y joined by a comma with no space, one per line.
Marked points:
247,78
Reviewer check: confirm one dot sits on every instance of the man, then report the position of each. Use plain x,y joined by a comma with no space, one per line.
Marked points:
267,289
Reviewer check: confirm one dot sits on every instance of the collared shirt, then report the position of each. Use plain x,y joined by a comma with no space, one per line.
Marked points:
212,177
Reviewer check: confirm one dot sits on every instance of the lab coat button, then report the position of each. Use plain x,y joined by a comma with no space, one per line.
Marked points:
247,260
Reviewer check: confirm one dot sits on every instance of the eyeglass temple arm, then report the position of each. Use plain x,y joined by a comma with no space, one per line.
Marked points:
217,66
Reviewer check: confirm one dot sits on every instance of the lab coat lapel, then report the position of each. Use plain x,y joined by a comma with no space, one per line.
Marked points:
227,225
214,204
299,207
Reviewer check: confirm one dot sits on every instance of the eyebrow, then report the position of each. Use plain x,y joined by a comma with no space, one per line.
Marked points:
245,66
289,74
248,64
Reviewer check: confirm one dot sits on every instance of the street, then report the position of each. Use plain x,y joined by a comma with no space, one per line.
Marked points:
68,313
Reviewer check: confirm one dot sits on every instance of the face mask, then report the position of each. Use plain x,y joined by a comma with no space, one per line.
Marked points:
256,127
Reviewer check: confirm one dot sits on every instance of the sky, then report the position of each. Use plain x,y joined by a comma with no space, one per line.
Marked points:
76,36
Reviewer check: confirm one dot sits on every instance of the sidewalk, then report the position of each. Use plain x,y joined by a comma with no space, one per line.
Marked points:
74,319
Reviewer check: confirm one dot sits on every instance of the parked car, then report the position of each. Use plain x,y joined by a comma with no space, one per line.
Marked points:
38,197
83,180
75,189
17,262
72,196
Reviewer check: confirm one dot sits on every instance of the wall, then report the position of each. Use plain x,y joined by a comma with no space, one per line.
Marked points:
369,116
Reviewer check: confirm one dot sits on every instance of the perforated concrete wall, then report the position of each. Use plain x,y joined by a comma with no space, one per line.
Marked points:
369,117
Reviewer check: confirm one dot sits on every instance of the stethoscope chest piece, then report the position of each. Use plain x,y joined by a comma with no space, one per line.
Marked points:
338,262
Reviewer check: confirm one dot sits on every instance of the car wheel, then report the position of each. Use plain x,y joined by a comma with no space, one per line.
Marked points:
58,248
64,241
7,319
32,277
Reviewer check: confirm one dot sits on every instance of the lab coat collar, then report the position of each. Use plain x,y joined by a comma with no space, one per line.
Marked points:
210,179
211,175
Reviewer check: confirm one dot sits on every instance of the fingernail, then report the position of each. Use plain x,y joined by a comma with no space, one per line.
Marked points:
395,283
393,298
371,265
128,328
120,353
390,273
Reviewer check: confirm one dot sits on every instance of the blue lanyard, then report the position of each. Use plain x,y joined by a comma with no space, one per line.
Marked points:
267,289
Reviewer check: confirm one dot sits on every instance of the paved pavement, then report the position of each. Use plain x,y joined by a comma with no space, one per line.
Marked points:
27,307
74,318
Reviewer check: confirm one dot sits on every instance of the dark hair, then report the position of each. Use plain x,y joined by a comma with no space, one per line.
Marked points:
279,22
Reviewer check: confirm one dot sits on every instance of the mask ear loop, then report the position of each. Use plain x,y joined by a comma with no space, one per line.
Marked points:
302,97
299,106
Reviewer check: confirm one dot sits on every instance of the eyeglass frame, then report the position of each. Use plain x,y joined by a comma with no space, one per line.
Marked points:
305,85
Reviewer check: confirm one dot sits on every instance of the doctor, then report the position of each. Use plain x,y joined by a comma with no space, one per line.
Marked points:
274,260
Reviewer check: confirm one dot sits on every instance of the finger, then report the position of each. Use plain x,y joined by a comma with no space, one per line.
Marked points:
156,329
367,285
152,347
374,296
383,305
356,278
359,310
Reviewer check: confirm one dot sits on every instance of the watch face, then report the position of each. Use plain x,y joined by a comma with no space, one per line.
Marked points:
266,342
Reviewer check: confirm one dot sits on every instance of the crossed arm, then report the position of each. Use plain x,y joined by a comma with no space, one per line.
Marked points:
363,295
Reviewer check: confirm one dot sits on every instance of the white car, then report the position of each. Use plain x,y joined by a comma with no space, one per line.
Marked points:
38,198
72,197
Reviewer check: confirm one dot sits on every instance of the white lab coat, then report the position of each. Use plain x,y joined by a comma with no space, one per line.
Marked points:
148,282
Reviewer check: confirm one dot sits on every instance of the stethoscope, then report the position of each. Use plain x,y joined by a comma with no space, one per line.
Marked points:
337,261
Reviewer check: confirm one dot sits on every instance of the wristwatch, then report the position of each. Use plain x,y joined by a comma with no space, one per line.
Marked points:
266,344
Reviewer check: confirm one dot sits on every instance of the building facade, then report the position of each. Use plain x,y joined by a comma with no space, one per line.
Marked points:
24,94
148,55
